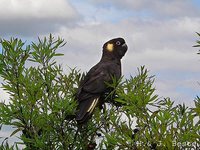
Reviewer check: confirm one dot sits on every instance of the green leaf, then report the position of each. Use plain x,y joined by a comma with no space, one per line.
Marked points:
196,46
16,131
58,54
42,100
198,33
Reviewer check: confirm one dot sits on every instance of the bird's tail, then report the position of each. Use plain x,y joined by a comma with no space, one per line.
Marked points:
85,109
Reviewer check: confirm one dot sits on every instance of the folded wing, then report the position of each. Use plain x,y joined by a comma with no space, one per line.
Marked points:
90,91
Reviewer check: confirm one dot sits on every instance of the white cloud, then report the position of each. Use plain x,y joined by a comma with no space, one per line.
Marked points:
21,17
42,9
4,96
161,8
149,42
160,45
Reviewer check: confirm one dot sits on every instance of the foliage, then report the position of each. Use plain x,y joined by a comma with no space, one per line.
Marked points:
198,43
42,106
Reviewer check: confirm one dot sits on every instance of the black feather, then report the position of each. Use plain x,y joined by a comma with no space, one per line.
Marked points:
93,86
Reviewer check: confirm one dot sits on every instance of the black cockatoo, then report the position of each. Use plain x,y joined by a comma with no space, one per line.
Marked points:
93,86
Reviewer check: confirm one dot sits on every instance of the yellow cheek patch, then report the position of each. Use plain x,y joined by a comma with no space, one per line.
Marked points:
109,47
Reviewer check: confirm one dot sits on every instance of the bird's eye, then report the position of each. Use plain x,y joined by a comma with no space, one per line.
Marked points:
118,42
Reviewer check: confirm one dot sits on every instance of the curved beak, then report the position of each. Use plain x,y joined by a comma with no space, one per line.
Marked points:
125,46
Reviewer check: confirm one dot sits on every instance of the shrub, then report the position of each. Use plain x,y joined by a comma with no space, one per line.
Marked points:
42,106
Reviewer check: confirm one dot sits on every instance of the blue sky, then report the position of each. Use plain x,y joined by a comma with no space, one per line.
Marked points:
118,9
160,35
196,2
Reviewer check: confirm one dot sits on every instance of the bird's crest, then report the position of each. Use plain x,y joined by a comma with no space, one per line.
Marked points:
109,47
